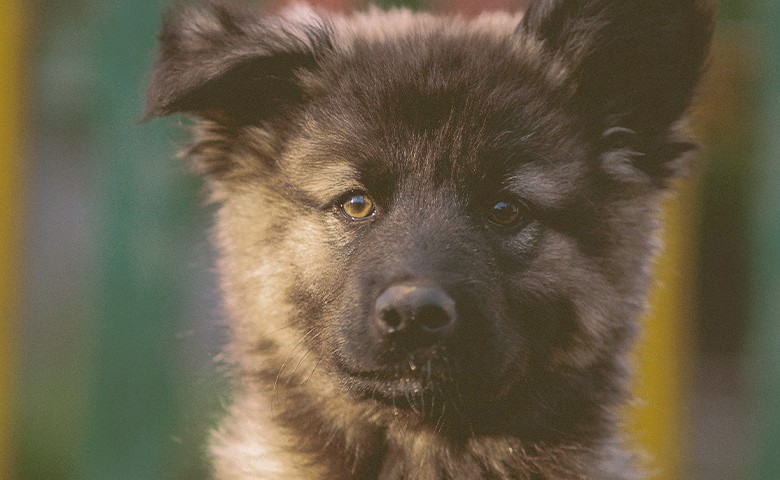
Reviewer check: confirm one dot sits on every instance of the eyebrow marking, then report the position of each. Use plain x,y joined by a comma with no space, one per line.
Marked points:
551,185
323,181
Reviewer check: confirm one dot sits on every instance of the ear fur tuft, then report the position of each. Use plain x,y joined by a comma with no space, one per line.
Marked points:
226,61
633,64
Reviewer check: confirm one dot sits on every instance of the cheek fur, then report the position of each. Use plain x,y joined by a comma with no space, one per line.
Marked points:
268,256
570,291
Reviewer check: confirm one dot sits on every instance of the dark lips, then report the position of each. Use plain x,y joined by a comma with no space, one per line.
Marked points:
388,387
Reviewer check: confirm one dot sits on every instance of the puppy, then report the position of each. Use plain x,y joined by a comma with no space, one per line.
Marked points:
434,233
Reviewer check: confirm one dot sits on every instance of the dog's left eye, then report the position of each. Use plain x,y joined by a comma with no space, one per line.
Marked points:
357,206
505,212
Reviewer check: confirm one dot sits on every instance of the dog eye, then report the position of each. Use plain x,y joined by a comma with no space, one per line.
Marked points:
505,212
357,206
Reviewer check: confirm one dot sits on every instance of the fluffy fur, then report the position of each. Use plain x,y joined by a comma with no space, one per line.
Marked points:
568,119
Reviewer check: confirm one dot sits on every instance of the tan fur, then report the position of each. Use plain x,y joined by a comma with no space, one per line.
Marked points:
475,324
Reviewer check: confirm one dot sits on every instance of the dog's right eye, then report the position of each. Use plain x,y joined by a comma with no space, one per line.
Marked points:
505,212
357,206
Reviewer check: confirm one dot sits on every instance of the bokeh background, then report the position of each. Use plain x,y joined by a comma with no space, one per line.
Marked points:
109,322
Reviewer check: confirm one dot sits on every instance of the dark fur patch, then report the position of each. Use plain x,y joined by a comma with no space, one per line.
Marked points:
475,323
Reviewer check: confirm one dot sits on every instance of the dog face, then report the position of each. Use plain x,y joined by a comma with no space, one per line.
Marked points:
438,220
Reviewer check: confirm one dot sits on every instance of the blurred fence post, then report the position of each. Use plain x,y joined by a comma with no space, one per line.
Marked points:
655,421
139,289
764,360
10,190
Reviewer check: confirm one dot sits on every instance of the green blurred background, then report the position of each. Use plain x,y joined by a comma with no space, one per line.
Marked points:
109,320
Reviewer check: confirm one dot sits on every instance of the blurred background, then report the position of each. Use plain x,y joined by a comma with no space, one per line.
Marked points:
109,320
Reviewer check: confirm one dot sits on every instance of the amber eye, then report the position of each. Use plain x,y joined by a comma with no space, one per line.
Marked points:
357,206
504,213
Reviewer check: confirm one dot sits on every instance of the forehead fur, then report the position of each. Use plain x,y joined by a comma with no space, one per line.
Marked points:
386,46
445,86
380,26
415,93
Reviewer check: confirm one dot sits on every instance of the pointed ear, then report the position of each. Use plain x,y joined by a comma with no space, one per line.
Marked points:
227,62
632,66
634,62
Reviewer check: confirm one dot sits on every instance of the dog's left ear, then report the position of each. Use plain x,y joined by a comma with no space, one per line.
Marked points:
632,68
226,62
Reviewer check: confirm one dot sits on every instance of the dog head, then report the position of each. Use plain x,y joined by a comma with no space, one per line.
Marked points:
428,211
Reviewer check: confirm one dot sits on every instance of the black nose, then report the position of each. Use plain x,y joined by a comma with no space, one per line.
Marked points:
414,316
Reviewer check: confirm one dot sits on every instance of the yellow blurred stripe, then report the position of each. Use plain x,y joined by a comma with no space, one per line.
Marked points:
657,421
10,152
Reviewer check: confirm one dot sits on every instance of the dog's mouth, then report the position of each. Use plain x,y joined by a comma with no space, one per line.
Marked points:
378,387
403,395
419,388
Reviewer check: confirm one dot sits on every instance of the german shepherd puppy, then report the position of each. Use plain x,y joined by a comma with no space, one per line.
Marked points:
435,233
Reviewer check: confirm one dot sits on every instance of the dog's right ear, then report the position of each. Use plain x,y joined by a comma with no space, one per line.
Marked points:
632,67
226,62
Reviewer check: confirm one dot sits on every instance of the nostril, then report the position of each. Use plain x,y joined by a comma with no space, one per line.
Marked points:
433,318
391,319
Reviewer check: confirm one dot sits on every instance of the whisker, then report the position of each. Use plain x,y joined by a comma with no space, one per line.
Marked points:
308,377
289,357
303,357
440,422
